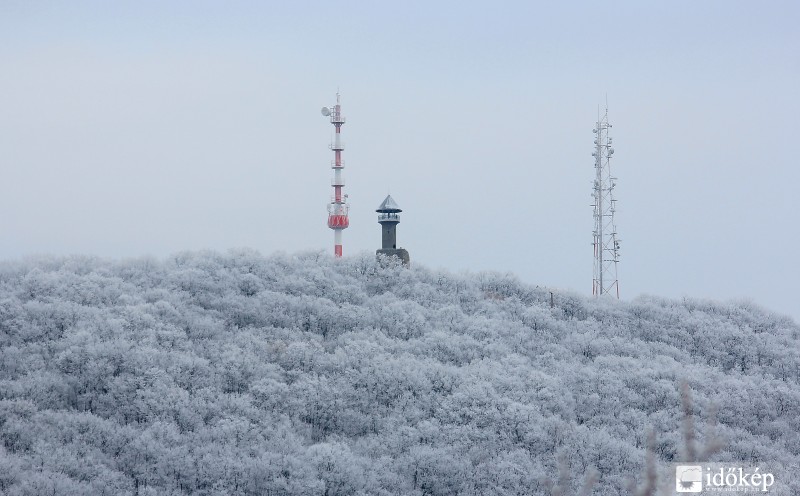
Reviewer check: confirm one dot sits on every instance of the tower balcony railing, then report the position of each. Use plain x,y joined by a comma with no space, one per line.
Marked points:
388,217
338,209
336,146
337,118
337,182
334,166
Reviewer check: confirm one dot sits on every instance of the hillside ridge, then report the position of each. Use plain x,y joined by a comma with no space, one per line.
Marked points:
238,373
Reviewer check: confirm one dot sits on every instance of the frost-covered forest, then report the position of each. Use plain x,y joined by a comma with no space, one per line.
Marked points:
216,374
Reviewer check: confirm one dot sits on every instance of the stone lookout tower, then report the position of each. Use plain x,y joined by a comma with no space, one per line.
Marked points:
388,218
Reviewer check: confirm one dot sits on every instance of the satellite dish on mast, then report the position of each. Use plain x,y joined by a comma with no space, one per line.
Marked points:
326,111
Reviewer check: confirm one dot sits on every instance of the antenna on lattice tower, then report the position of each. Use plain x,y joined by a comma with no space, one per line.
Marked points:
606,240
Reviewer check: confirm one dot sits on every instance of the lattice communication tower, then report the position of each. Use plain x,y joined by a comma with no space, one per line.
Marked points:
606,241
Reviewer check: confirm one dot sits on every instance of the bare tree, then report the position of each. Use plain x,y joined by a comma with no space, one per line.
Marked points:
690,450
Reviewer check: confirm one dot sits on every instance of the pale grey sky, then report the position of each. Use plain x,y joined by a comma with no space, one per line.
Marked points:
136,128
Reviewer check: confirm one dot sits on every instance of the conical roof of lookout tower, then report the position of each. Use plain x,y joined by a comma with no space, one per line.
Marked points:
389,206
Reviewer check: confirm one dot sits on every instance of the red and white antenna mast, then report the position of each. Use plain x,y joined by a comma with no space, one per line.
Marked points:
338,208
